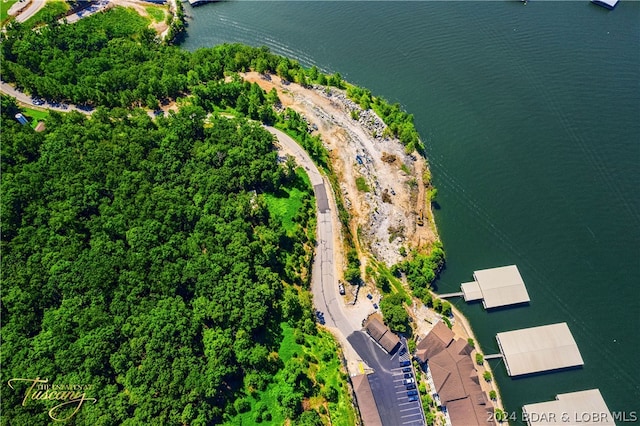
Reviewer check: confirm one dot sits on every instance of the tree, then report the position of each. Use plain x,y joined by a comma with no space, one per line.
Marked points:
487,376
310,418
383,283
352,275
493,395
479,358
395,315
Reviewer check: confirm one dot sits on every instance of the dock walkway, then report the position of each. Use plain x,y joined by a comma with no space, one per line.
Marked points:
448,295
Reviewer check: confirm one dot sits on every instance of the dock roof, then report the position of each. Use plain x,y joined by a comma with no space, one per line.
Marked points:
471,291
501,286
538,349
584,408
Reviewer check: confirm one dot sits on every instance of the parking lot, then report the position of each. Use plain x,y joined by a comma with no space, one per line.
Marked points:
388,383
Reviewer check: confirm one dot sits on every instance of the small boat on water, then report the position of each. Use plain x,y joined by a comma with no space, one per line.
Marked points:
609,4
199,2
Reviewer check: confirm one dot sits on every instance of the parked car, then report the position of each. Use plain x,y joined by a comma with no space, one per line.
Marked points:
341,289
408,376
405,363
413,398
411,386
408,381
369,296
403,351
375,306
406,370
411,393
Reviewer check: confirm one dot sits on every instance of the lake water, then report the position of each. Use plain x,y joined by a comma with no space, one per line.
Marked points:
531,118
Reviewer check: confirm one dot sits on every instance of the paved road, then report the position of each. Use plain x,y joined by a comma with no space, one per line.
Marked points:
26,99
88,11
324,284
33,8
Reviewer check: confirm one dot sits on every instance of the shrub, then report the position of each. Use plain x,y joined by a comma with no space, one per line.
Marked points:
242,405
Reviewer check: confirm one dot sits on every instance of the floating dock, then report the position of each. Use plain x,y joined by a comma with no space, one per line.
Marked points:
496,287
539,349
581,408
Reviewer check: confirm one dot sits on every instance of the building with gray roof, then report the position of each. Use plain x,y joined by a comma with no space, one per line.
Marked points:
538,349
496,287
584,408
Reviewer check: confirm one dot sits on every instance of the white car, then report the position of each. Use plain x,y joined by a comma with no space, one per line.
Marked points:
408,381
341,289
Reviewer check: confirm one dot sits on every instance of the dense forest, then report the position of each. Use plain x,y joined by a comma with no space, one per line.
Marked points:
143,258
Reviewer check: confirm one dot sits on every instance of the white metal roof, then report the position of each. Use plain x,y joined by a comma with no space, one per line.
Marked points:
537,349
501,286
583,408
471,291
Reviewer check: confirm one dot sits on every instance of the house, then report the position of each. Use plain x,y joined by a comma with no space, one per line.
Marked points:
451,366
437,340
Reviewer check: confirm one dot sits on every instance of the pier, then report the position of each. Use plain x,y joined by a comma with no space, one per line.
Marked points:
493,356
448,295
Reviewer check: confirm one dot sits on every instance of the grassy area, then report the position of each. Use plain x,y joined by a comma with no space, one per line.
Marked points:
55,9
4,8
34,115
156,12
395,284
287,204
324,368
361,183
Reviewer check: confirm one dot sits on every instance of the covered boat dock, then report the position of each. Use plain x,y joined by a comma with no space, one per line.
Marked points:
496,287
583,408
539,349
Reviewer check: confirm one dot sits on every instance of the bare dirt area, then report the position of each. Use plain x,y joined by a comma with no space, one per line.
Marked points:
385,207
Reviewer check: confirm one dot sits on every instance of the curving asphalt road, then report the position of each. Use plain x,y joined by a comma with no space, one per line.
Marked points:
324,285
31,10
27,100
